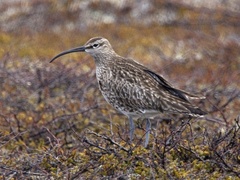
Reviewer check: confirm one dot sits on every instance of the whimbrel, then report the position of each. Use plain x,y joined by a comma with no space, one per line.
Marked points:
132,88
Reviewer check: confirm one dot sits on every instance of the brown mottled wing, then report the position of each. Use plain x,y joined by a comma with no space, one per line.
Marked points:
178,93
141,89
166,85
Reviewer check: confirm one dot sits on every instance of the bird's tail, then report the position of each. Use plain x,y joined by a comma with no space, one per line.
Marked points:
191,96
196,112
176,105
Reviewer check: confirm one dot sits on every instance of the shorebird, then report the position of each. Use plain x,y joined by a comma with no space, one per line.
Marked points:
132,88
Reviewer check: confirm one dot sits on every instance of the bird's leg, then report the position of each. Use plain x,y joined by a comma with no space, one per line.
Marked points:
132,128
148,129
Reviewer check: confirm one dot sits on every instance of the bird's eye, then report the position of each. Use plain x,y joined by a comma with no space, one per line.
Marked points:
95,45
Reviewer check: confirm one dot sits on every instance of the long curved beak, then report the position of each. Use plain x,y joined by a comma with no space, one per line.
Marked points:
78,49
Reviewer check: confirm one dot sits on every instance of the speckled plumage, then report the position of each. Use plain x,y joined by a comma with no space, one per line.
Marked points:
132,88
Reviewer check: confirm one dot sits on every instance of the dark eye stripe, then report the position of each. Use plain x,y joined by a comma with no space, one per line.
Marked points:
95,45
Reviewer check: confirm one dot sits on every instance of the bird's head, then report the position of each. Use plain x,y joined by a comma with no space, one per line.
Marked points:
95,46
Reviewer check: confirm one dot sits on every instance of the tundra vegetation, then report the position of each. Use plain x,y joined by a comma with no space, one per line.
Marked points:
54,122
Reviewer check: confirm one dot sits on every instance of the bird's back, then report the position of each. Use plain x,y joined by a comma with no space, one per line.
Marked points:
135,90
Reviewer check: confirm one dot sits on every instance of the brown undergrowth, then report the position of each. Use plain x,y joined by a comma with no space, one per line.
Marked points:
55,124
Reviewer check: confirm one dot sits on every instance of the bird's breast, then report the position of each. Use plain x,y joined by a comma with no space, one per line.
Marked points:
105,80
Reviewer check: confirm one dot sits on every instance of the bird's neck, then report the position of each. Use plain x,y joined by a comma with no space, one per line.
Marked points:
105,59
